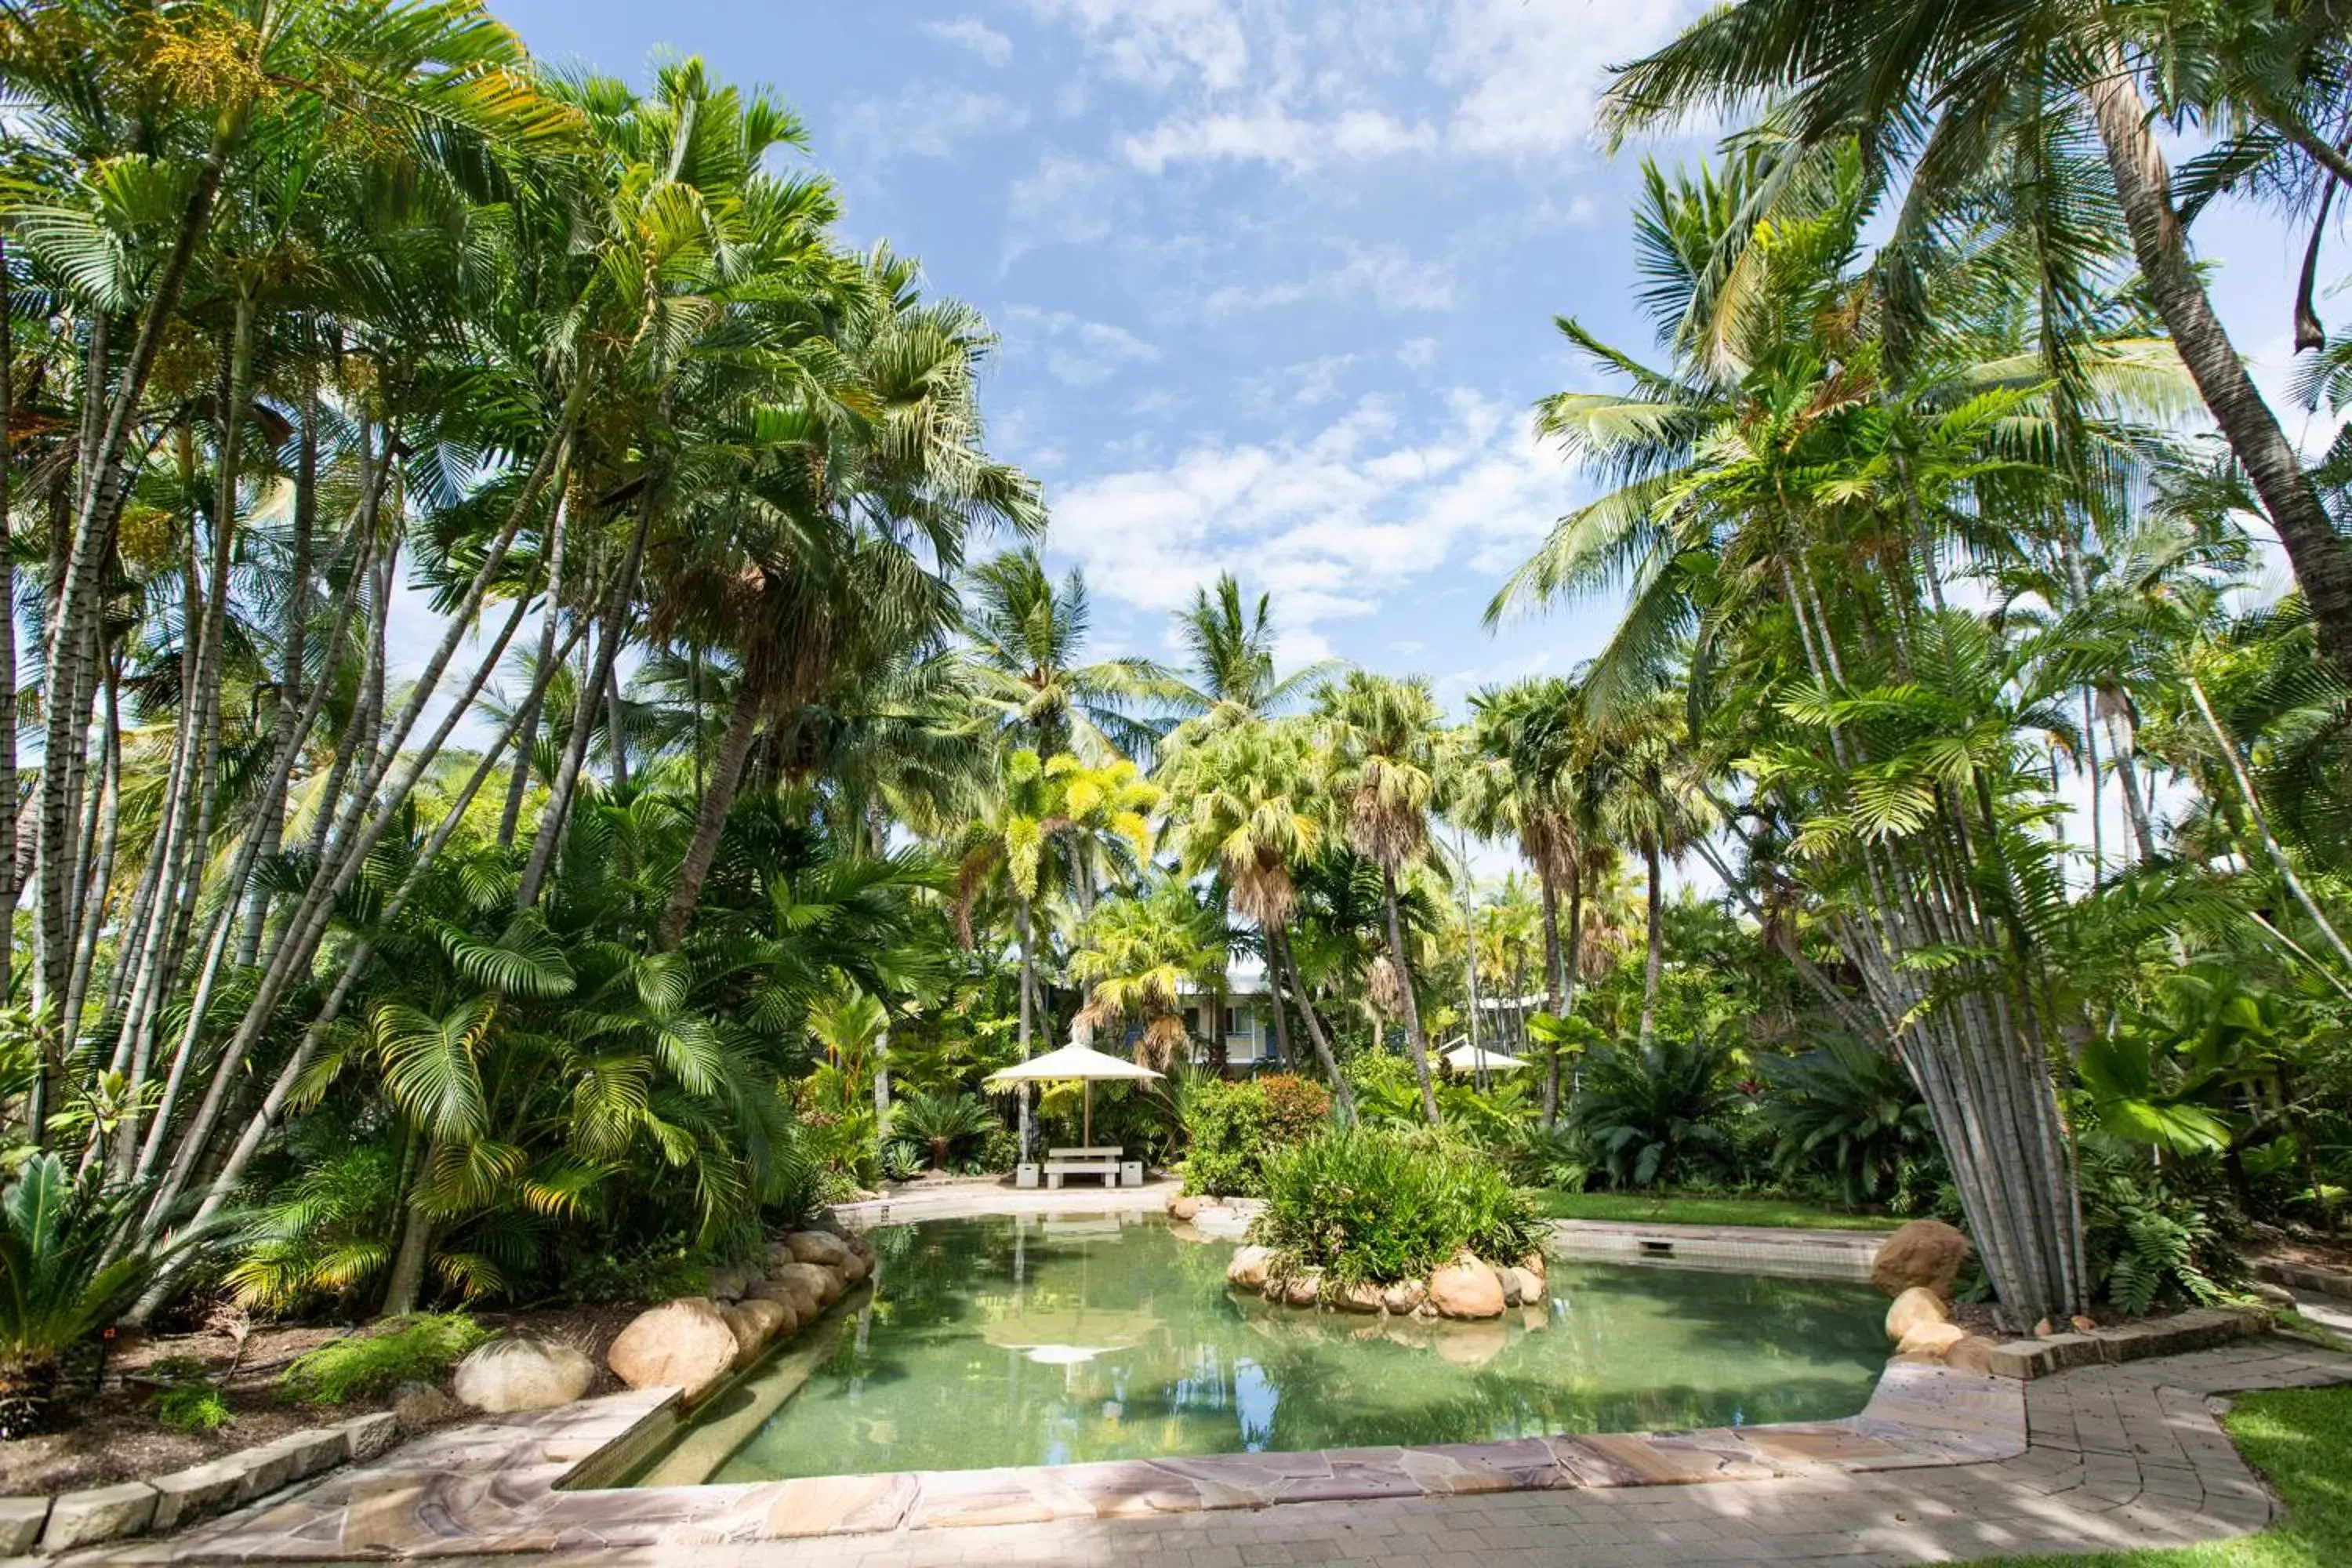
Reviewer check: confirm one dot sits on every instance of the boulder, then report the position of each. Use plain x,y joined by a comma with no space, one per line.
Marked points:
816,1247
1926,1253
1533,1291
1973,1353
1303,1288
824,1283
1466,1288
1248,1267
1915,1308
1184,1208
2083,1324
1403,1296
773,1319
418,1406
727,1284
853,1269
1931,1340
681,1344
794,1294
1534,1264
1362,1298
747,1335
1507,1276
863,1246
519,1372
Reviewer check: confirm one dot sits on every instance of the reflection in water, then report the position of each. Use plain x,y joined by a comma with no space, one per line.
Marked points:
1005,1342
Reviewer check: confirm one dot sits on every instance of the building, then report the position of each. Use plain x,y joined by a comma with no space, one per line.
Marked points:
1242,1021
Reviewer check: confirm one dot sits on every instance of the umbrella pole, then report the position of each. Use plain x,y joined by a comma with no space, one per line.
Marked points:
1087,1094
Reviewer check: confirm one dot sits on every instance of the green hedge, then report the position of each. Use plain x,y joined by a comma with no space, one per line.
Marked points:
1232,1129
1368,1206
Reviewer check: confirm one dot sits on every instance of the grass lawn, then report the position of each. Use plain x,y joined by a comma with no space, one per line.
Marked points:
2302,1439
1778,1212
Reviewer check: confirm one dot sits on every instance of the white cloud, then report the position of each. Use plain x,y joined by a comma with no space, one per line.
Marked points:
929,123
1273,135
1160,43
972,34
1076,350
1528,77
1065,200
1382,276
1333,524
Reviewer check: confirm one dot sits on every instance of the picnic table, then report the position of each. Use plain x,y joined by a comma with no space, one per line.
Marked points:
1091,1161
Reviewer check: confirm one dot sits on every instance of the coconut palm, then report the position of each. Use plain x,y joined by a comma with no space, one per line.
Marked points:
1944,87
1231,677
1382,781
1026,634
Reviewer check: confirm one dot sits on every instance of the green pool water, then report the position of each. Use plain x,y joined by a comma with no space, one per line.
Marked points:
1003,1342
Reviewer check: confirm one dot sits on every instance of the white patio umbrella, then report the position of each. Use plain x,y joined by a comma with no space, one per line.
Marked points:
1467,1058
1072,1064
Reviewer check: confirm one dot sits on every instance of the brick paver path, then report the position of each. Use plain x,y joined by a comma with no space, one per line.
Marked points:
2121,1456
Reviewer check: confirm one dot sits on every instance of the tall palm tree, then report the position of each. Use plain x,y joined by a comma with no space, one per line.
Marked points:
1945,86
1383,785
1231,677
1027,633
1248,805
1139,955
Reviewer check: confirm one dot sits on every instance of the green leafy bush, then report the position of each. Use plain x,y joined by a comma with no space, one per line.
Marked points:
1369,1207
420,1347
1232,1130
1659,1116
196,1407
2151,1246
937,1123
1848,1113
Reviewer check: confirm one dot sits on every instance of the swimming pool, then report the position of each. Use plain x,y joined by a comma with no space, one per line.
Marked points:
1021,1340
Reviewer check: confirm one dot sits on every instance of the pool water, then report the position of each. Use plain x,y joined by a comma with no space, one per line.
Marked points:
1021,1342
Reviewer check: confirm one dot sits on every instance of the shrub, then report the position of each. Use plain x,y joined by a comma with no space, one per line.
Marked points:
197,1407
937,1122
1232,1129
421,1347
1370,1206
1659,1116
1848,1113
2147,1245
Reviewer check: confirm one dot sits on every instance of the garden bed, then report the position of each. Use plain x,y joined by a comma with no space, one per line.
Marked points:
115,1436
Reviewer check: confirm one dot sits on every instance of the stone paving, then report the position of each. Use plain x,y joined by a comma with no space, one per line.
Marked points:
2109,1456
2121,1457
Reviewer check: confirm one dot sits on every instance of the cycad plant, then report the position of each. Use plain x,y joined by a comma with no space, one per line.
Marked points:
938,1122
58,1286
1659,1115
1848,1111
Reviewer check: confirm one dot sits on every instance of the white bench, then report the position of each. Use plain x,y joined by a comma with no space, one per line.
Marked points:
1103,1162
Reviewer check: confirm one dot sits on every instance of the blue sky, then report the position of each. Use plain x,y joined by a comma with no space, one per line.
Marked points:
1275,278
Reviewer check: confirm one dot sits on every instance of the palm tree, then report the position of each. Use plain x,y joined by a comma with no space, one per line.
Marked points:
1026,634
1232,674
1383,783
1249,808
1944,86
1139,955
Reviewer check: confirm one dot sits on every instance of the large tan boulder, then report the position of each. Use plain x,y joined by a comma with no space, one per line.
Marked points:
794,1294
772,1320
816,1247
1303,1288
1466,1288
1915,1309
1403,1296
1926,1253
517,1372
1183,1207
1931,1340
681,1344
1534,1264
1359,1298
418,1406
826,1282
1973,1353
746,1332
1247,1269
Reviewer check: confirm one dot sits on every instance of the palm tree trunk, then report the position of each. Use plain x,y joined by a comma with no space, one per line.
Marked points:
2321,557
2271,846
710,816
1655,960
1417,1041
407,1278
287,701
1021,923
1343,1099
1575,967
527,738
8,653
576,749
1555,983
